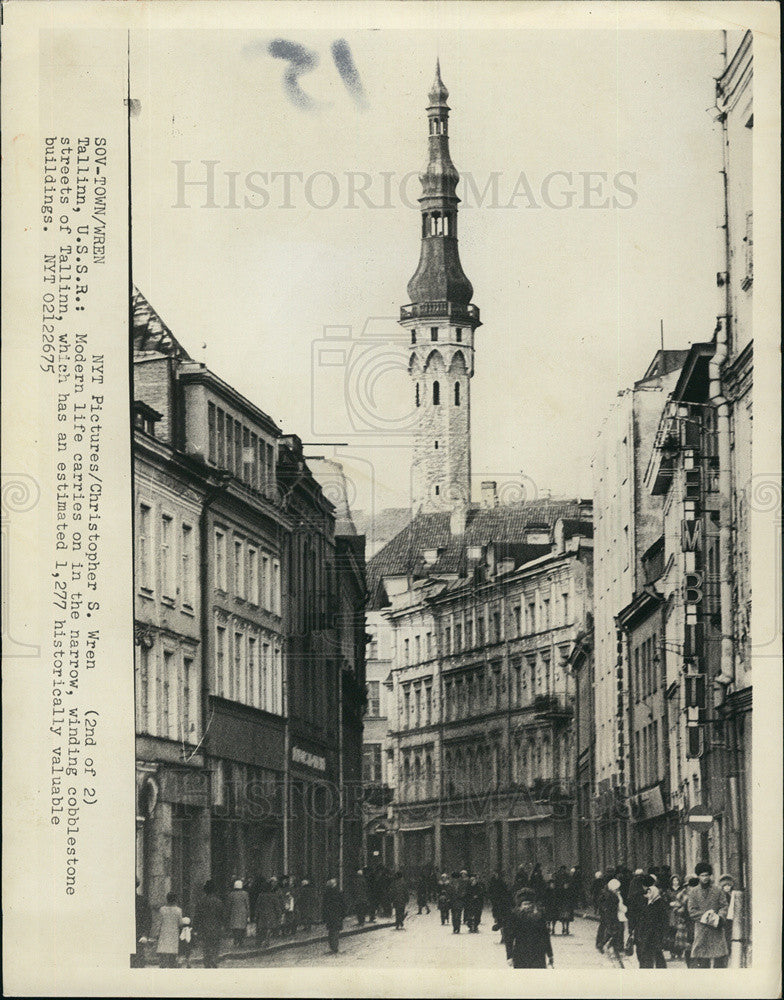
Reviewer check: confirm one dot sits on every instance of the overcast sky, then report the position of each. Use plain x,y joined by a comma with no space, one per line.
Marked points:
571,297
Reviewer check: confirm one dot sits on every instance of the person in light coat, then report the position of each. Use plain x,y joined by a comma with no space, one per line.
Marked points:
238,905
171,918
707,906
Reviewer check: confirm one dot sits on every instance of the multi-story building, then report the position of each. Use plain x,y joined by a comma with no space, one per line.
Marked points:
701,466
627,521
276,681
484,604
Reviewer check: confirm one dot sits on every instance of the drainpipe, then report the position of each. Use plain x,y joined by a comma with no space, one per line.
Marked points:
721,407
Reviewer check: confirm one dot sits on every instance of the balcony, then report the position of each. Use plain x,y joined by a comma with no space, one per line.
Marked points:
453,311
552,706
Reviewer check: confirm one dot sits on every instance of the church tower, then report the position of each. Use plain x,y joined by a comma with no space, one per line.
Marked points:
441,322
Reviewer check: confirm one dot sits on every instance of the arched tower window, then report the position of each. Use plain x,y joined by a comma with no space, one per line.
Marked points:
417,394
457,394
413,336
436,394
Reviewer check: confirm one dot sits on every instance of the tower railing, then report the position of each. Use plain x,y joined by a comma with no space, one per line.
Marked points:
452,310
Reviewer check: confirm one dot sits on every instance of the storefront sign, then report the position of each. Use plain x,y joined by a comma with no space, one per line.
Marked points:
647,804
300,756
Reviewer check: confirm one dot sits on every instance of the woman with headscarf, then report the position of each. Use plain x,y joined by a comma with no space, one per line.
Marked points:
651,927
612,921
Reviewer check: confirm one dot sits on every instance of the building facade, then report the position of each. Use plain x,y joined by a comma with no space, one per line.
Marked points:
483,606
259,607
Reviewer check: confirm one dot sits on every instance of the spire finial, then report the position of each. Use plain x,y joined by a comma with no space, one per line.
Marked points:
438,92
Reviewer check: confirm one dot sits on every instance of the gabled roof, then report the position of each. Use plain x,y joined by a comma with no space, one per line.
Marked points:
505,526
150,333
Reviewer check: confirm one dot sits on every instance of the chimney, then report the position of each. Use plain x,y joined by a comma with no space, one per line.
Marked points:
457,519
489,493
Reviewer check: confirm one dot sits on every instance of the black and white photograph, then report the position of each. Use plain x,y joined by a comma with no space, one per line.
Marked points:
401,502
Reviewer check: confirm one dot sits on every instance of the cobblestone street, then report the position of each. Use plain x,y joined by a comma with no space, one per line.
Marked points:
426,944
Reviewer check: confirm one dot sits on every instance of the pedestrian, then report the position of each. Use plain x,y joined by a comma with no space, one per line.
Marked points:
528,933
422,888
239,913
306,902
186,942
708,907
564,901
360,897
610,935
289,908
399,897
727,884
497,890
597,886
650,931
266,914
143,926
278,905
333,912
635,899
549,904
208,923
443,898
474,904
671,895
457,903
537,883
170,916
373,888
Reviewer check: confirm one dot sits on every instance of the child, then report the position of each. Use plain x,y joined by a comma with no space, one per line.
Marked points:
185,941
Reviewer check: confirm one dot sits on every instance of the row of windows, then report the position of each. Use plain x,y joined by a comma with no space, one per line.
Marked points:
646,754
437,395
434,335
417,708
173,540
255,574
167,693
373,709
649,668
235,447
417,775
248,669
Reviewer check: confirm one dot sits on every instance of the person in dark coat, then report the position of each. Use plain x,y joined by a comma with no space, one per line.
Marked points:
497,891
548,903
399,897
143,926
611,929
443,897
457,903
266,913
372,873
650,931
333,912
537,883
635,899
474,904
307,904
597,886
209,922
360,898
422,891
530,939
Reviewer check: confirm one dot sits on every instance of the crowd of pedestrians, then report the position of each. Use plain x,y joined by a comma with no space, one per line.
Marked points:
648,913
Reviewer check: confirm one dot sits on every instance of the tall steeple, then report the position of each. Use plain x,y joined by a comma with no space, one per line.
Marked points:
442,322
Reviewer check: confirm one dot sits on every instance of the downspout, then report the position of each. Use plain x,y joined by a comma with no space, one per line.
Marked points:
721,407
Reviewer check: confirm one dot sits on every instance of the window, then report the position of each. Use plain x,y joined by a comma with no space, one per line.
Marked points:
373,699
458,637
277,693
247,457
637,674
406,708
459,335
265,694
220,660
436,394
448,639
253,576
497,626
239,569
167,577
546,613
220,560
212,449
221,456
413,336
270,470
457,394
143,702
532,617
229,444
429,645
518,616
186,559
434,333
254,450
237,674
265,582
276,586
166,694
406,652
253,667
187,677
371,763
418,649
238,458
417,394
566,609
428,699
480,629
145,545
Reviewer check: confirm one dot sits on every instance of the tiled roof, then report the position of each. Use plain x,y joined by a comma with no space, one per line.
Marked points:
150,333
505,526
